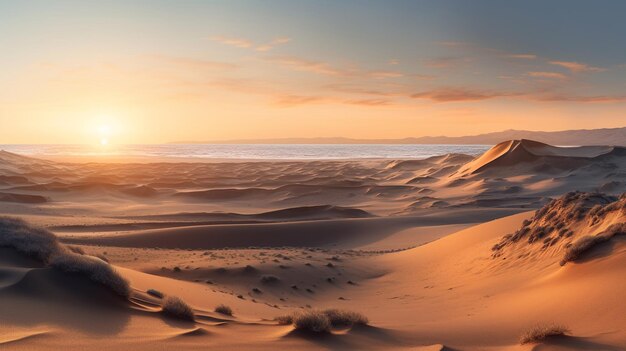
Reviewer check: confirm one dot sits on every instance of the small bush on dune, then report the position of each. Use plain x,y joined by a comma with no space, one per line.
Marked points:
314,321
542,332
322,321
94,269
223,309
177,308
35,242
342,318
584,244
284,319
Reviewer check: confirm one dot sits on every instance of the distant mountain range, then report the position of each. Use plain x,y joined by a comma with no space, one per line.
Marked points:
605,136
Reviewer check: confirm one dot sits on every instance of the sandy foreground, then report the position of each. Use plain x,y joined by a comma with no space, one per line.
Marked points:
446,253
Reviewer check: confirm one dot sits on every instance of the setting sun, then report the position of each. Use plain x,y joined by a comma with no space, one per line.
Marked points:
312,175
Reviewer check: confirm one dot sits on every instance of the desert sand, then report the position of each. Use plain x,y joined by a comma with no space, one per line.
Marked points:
448,253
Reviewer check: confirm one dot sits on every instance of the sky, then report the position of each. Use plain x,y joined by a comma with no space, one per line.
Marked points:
135,72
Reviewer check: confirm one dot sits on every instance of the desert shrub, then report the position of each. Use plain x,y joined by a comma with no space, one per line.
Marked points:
313,321
32,241
322,320
284,319
175,307
584,244
540,333
155,293
343,318
94,269
223,309
269,279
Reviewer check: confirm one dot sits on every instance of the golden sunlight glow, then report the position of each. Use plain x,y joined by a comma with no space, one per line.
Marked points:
104,141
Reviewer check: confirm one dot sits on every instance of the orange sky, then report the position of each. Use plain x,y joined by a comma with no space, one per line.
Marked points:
134,77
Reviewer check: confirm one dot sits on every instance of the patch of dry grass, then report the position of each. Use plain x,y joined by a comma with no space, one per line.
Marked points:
29,240
321,321
540,333
586,243
223,309
177,308
94,269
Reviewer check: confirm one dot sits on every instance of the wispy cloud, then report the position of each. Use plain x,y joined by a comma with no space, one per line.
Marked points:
521,56
236,42
582,98
446,62
249,44
549,75
272,44
577,67
459,95
300,64
385,74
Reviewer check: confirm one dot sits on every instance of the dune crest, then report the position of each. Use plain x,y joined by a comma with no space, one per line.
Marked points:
513,152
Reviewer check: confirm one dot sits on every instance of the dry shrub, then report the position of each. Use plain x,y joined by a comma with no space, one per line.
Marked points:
343,318
584,244
320,321
26,239
94,269
175,307
313,321
223,309
540,333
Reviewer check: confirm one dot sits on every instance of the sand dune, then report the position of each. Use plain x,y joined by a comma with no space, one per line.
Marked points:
447,253
345,233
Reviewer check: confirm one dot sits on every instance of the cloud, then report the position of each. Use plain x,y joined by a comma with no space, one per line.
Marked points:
446,62
369,102
521,56
385,74
550,75
249,44
236,42
577,67
300,64
289,100
459,95
582,99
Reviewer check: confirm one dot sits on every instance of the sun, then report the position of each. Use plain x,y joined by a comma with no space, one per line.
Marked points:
104,133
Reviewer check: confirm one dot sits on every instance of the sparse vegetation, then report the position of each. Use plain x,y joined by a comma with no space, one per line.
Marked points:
26,239
223,309
177,308
313,321
343,318
584,244
540,333
94,269
322,321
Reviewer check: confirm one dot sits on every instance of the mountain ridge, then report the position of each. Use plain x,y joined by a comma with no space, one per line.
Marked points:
572,137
